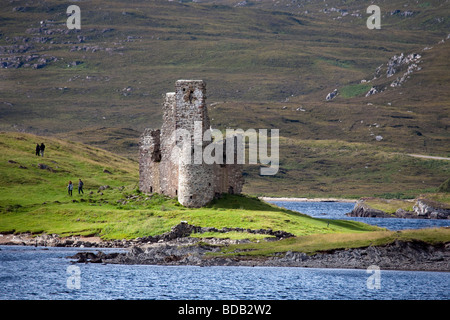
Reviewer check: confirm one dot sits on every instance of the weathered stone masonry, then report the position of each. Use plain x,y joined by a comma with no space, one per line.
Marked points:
165,171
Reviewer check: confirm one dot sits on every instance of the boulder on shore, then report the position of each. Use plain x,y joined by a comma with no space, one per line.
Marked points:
431,209
362,209
422,209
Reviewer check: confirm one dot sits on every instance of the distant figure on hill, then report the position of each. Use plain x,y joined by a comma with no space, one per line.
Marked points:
70,188
38,149
80,186
42,149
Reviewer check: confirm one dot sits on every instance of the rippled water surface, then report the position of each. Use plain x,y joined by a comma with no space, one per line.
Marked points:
337,210
42,273
46,273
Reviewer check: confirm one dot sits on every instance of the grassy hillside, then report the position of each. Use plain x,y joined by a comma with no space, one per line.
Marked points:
335,168
311,244
267,64
35,200
28,179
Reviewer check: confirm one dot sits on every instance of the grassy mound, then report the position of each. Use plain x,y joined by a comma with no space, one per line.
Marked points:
33,197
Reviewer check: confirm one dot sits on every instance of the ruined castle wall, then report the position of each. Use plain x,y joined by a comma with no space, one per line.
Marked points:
196,185
149,160
195,181
166,165
235,178
228,178
169,159
190,96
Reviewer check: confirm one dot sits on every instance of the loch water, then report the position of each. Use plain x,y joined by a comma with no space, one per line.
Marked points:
39,273
338,210
45,273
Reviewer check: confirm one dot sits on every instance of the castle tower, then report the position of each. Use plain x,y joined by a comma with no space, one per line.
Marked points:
169,160
173,165
195,181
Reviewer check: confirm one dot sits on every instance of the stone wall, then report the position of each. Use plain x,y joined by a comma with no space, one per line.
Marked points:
195,185
169,160
228,177
165,164
190,96
149,160
195,181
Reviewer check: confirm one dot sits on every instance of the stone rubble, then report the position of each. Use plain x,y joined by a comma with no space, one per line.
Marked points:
398,255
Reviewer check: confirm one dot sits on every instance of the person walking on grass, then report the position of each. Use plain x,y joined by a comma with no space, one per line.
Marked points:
80,187
42,147
38,149
70,188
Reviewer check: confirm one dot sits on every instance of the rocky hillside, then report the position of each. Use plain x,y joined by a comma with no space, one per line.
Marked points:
267,64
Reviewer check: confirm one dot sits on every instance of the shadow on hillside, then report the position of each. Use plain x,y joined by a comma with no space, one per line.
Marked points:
243,202
350,225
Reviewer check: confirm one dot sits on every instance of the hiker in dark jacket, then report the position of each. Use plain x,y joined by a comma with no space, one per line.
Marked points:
42,149
38,149
80,187
70,188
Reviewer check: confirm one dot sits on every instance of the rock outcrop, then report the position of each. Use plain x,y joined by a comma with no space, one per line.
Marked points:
332,95
374,90
422,209
398,255
408,63
180,232
431,210
185,229
362,209
397,62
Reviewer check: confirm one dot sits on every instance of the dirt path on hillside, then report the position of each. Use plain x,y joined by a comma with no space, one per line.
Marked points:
427,157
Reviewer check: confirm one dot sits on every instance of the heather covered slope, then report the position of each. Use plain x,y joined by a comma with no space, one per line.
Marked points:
266,64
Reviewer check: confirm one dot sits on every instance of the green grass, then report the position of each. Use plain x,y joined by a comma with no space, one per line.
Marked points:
442,197
35,200
65,161
390,205
445,186
263,64
354,90
151,218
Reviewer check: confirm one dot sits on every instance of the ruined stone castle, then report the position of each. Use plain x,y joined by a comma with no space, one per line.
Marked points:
163,164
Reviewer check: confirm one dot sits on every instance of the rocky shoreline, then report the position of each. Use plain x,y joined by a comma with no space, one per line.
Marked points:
177,247
399,255
180,231
422,209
